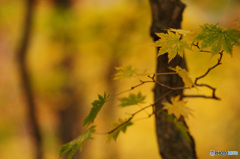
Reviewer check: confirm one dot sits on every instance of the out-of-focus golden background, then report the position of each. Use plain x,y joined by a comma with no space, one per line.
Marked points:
71,58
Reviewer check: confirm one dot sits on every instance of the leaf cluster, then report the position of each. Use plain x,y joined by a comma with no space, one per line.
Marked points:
213,37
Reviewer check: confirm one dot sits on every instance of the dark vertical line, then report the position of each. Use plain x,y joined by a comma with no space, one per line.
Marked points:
25,80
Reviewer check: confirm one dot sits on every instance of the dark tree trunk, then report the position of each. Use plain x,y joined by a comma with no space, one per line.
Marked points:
26,83
71,101
172,144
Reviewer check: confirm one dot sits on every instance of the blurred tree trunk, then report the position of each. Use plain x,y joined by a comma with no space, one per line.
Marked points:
172,144
26,83
110,109
71,101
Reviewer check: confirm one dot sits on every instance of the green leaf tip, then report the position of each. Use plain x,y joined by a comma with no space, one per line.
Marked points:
132,99
72,147
96,107
218,38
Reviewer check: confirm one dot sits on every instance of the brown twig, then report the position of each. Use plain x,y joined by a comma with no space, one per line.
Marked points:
166,86
197,45
218,63
140,110
172,89
201,96
205,74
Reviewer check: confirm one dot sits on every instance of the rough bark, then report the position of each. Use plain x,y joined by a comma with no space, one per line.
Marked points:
172,144
26,83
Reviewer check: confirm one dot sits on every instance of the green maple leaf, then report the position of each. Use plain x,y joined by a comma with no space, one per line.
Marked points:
177,107
124,72
120,126
72,147
172,44
218,38
184,75
132,99
97,105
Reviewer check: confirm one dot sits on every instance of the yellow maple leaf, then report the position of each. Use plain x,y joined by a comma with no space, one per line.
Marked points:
184,75
172,44
177,107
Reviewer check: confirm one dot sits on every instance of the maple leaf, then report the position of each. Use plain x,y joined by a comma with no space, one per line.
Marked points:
132,99
72,147
124,72
184,75
120,126
97,105
218,38
177,107
172,44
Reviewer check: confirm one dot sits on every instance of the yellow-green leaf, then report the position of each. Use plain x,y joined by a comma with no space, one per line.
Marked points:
172,44
120,126
96,107
177,107
132,99
124,72
184,75
72,147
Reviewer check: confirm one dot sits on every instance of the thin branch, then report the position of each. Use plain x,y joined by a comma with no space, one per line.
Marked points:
171,90
111,131
204,75
166,86
132,88
197,45
211,68
201,96
166,73
157,74
142,109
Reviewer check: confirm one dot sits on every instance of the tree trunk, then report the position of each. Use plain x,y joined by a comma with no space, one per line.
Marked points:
71,101
172,144
26,84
